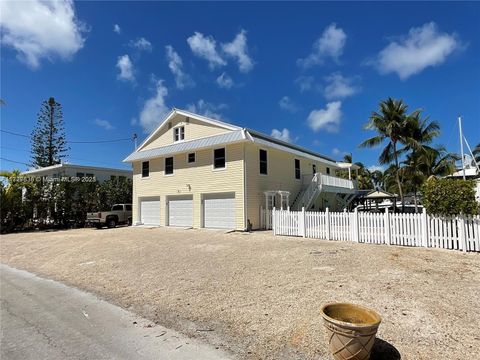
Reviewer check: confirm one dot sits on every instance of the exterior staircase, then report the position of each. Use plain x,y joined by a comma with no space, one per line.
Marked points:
344,189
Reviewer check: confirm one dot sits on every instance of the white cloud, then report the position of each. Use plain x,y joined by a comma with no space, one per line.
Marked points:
41,29
330,44
141,44
117,29
373,168
104,124
175,64
283,135
305,83
154,110
287,104
207,109
336,151
339,87
423,47
224,81
238,50
205,48
124,64
327,119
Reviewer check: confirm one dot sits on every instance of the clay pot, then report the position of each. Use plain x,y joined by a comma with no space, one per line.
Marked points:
350,330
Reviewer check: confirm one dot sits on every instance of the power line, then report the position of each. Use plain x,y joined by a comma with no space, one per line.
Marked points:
72,142
13,161
69,157
12,133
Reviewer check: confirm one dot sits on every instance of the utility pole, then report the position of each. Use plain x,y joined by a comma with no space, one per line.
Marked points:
461,145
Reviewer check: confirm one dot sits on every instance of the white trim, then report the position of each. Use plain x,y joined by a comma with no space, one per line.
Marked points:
213,159
266,150
190,115
179,126
195,154
165,165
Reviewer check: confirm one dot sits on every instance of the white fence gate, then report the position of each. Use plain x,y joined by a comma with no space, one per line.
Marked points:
456,232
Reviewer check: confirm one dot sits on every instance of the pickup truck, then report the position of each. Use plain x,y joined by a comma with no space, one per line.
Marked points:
120,214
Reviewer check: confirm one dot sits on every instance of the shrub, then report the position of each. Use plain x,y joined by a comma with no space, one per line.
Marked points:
449,197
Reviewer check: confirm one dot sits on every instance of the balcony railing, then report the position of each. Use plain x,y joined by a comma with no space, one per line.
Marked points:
329,180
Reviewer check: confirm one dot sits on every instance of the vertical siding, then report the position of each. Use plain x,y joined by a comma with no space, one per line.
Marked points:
281,176
192,179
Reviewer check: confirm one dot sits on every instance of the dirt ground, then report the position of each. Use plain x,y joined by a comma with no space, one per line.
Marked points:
259,296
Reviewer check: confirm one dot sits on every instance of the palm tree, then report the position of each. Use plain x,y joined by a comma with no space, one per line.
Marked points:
392,123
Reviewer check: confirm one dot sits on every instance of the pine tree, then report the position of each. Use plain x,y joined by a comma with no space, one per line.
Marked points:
49,145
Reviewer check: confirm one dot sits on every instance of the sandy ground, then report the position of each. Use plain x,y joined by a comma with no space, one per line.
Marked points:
259,296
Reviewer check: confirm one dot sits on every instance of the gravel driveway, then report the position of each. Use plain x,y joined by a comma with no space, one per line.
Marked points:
259,296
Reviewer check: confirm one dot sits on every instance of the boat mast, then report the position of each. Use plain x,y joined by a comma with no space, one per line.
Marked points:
461,145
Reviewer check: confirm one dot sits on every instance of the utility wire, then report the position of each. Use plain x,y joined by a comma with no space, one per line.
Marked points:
13,161
69,157
72,142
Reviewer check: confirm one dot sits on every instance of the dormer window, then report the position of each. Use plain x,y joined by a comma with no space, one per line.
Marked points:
179,133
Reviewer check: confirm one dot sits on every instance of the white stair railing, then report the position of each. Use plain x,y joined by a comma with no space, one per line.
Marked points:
309,193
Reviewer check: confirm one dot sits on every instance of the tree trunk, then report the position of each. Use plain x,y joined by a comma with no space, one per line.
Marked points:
397,175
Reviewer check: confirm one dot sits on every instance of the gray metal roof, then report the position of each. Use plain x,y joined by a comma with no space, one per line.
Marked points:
264,139
184,146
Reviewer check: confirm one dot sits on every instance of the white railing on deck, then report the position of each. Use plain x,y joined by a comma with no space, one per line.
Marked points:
456,232
330,180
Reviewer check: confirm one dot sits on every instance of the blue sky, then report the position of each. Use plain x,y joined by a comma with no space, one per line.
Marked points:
310,73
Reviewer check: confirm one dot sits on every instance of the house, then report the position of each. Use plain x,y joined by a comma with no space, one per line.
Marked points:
101,174
193,171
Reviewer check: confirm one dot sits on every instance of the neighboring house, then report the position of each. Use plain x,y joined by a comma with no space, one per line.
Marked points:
193,171
101,174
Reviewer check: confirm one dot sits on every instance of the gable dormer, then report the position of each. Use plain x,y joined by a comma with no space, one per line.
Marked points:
184,126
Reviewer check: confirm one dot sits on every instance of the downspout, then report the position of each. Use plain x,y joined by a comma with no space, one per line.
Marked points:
245,207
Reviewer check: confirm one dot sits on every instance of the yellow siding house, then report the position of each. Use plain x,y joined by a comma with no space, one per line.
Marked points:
193,171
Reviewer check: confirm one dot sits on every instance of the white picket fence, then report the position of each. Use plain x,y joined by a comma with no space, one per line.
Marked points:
456,232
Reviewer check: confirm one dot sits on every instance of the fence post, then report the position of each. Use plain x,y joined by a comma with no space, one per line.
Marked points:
424,228
355,226
327,222
388,235
304,225
274,222
463,236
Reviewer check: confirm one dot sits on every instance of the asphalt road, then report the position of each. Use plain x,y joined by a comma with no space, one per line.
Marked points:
44,319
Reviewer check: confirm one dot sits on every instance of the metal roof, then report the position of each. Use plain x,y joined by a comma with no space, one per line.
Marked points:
184,146
264,139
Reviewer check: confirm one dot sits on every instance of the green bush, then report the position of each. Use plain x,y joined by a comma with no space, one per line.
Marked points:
449,197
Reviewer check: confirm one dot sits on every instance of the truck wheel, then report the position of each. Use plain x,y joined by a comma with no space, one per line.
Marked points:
111,223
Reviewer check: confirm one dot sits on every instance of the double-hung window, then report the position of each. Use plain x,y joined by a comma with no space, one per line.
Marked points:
179,133
219,158
297,169
263,162
169,166
145,169
191,158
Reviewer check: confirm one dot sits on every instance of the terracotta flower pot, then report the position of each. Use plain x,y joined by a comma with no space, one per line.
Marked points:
350,330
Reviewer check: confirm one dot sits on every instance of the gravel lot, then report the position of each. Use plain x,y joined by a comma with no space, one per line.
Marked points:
259,296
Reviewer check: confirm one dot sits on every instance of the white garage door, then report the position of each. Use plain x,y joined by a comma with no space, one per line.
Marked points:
219,211
150,212
180,212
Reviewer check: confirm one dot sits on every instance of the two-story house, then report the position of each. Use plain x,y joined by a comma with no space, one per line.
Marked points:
193,171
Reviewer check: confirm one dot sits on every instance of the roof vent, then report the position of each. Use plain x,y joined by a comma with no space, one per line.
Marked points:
169,125
187,120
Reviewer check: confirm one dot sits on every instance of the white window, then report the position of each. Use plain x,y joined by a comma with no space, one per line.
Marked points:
179,133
